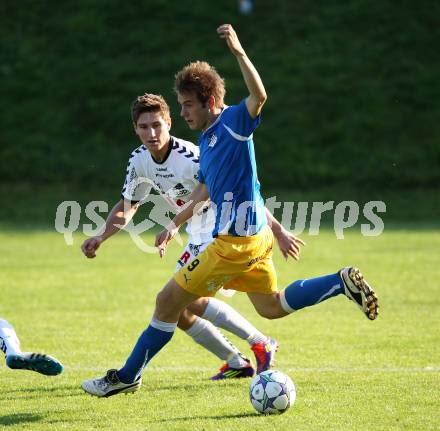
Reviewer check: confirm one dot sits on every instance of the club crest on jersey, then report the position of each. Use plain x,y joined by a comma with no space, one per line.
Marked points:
212,140
194,249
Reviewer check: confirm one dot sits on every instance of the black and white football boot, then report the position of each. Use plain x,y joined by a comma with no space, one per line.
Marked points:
110,385
360,292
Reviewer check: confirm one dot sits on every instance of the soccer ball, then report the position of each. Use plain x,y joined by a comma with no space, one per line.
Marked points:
272,392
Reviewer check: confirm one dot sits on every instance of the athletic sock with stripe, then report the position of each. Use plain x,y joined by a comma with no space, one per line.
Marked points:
312,291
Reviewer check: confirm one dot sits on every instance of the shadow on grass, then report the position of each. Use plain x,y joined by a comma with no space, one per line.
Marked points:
19,418
195,387
60,391
215,417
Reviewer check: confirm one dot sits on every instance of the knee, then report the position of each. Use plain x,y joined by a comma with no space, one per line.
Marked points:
161,299
163,310
165,303
170,302
186,320
198,306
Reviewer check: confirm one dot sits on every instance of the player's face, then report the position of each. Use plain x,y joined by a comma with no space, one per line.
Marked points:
154,132
196,115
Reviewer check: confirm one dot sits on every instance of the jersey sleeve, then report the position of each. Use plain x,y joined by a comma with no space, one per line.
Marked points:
195,164
195,171
136,186
239,122
200,177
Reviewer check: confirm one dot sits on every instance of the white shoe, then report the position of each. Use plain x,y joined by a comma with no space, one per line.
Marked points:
359,291
110,385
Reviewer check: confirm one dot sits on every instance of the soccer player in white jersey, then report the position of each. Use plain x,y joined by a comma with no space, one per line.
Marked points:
170,166
240,257
18,360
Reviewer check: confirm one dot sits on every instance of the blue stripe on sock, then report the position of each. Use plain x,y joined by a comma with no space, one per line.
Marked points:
304,293
149,343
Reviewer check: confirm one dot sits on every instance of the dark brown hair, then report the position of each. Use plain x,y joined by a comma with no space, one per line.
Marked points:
149,103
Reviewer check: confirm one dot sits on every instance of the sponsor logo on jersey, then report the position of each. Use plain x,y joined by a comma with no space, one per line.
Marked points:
181,193
212,140
178,190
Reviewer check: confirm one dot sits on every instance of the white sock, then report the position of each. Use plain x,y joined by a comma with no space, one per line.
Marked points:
208,336
9,342
224,316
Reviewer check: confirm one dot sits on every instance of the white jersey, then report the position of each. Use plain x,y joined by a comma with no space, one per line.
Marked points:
175,178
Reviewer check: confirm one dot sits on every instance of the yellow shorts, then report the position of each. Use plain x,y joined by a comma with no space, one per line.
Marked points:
231,262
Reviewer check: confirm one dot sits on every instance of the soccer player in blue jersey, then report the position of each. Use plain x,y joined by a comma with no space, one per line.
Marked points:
240,257
170,166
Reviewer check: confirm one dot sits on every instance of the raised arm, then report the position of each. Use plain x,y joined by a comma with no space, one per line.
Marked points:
257,93
120,216
196,199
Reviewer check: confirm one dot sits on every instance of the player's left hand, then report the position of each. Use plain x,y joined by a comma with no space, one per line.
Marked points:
227,32
289,244
164,237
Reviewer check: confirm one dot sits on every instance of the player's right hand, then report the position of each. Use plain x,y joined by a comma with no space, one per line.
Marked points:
227,32
89,246
289,244
164,237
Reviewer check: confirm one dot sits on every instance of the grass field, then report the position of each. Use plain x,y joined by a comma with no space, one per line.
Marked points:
350,373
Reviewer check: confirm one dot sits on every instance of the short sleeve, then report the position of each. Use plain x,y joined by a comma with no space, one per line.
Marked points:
239,121
200,177
136,188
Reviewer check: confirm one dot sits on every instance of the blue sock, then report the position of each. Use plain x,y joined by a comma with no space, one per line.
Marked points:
304,293
149,343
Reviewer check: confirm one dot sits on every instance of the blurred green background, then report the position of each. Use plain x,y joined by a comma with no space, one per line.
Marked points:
353,109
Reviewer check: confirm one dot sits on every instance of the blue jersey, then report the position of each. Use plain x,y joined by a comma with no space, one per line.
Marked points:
228,169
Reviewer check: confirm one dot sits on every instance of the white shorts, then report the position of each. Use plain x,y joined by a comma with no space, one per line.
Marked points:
189,253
